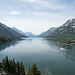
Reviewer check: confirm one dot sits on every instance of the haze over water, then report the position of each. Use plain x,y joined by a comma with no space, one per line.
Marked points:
46,53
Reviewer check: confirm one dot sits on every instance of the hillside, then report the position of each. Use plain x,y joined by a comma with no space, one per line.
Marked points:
67,30
28,34
19,31
7,31
65,33
48,32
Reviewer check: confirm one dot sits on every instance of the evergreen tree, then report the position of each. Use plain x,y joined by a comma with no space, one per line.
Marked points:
7,64
29,71
18,68
33,70
21,67
3,64
10,66
22,70
0,65
14,66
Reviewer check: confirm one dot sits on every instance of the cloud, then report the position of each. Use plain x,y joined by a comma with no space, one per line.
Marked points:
30,1
45,4
15,13
37,15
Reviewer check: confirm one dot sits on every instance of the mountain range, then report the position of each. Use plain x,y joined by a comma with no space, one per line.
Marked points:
48,32
29,34
7,31
67,30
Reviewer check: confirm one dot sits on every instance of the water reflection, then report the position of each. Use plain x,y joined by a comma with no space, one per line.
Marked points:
7,45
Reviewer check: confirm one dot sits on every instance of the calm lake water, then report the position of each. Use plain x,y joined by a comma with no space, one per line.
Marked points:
46,53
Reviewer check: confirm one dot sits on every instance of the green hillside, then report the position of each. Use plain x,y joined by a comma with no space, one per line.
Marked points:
64,33
5,39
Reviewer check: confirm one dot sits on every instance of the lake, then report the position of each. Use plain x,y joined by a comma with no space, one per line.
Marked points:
45,53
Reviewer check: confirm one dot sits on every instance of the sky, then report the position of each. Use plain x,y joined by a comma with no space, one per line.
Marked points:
36,16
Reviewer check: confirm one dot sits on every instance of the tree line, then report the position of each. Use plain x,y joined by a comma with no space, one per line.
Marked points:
17,68
4,39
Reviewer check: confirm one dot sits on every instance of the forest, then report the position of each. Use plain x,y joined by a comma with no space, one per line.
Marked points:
11,67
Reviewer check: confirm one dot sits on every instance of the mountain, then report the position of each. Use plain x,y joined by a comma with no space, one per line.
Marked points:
19,31
48,32
7,31
67,30
29,34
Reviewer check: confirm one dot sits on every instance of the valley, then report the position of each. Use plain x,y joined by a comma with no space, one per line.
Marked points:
53,51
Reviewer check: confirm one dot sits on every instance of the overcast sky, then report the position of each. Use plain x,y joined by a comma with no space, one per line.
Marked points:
36,15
